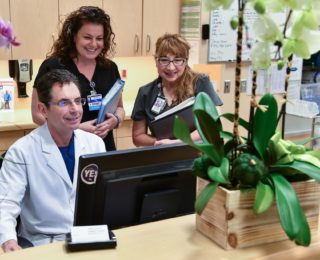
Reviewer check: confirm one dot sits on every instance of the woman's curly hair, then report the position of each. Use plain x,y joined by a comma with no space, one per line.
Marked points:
65,46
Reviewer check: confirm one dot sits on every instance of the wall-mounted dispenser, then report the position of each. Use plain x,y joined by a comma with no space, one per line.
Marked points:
21,72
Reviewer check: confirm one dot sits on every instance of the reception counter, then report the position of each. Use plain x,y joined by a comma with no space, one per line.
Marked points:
174,239
15,124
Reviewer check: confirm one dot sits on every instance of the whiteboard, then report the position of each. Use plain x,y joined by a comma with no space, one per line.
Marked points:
223,40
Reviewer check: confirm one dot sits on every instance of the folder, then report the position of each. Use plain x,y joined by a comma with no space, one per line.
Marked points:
110,101
162,125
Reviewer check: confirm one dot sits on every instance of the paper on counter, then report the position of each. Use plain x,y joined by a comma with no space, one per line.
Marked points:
89,234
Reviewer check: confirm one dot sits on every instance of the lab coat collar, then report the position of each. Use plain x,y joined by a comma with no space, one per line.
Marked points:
54,158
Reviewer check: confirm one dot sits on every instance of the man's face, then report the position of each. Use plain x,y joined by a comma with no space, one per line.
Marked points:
62,120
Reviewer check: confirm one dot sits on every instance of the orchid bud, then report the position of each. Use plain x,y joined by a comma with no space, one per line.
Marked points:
280,64
259,6
234,23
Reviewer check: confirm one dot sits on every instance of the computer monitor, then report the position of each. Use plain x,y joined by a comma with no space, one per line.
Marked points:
134,186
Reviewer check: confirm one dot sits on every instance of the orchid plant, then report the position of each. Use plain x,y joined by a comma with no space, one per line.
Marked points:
262,160
6,36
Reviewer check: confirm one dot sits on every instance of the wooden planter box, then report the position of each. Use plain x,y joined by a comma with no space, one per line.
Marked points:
229,219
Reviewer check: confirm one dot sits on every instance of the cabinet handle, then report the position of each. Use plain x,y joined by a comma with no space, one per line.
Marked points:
136,43
148,45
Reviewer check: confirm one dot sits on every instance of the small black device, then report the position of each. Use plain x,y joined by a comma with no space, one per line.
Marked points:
134,186
205,31
21,72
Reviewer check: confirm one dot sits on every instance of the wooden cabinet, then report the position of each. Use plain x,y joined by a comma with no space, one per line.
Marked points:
159,17
35,25
8,138
5,53
123,135
138,24
68,6
126,22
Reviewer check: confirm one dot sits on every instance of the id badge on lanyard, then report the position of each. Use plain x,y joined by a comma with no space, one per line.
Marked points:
158,105
94,99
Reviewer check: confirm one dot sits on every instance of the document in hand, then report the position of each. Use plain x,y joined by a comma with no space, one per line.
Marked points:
162,125
110,101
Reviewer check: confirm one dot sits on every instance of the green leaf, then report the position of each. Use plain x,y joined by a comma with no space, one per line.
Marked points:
230,117
220,174
181,131
265,124
263,198
207,121
302,167
292,218
210,130
204,196
226,135
308,158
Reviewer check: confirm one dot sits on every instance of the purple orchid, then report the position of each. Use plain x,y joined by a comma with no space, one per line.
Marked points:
6,37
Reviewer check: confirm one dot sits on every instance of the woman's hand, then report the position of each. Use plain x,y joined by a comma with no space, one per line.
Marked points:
167,141
103,128
88,126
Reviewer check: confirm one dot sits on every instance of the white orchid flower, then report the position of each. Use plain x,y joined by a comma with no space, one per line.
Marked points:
260,55
215,4
280,5
266,29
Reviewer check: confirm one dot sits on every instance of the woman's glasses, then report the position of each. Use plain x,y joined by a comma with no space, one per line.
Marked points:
166,61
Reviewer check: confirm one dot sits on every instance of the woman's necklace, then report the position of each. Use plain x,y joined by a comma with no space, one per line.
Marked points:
169,97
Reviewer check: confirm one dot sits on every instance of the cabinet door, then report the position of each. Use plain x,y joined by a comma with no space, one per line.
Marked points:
126,22
68,6
5,53
35,24
159,17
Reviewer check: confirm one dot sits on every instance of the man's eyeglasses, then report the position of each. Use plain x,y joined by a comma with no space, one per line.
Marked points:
68,102
176,62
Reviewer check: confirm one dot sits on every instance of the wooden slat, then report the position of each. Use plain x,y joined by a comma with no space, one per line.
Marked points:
229,220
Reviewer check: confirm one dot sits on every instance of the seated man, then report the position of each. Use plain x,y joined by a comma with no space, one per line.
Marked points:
39,176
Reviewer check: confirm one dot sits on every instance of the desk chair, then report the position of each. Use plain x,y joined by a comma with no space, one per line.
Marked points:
23,242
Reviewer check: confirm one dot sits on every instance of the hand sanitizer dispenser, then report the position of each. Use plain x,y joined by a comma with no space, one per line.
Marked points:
21,72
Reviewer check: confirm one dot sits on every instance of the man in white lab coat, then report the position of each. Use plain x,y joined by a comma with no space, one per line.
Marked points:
40,185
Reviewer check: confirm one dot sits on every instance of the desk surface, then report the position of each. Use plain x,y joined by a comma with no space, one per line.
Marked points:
169,239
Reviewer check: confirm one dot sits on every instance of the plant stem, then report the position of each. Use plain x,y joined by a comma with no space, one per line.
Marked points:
252,107
283,107
236,134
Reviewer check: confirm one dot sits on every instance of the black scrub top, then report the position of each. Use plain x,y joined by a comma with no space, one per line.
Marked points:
147,95
104,77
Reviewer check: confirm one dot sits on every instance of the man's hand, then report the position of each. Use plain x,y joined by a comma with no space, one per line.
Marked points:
10,245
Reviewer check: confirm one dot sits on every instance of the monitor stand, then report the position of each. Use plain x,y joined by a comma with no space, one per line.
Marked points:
159,205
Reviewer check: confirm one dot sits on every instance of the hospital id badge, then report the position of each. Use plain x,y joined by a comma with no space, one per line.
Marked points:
94,102
158,105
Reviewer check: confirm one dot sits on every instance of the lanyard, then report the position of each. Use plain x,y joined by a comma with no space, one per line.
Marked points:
92,86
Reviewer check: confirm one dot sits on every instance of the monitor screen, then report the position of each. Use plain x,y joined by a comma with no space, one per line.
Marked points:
134,186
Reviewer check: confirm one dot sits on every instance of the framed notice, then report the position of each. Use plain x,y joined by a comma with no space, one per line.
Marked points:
6,95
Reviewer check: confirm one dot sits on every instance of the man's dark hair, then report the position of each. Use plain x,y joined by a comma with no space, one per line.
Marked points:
46,82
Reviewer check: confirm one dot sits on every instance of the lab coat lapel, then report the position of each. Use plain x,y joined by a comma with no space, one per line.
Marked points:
80,149
53,155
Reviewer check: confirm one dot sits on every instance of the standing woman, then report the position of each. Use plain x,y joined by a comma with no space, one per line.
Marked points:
84,42
176,83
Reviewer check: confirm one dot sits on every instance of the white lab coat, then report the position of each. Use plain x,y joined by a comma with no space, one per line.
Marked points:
40,186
